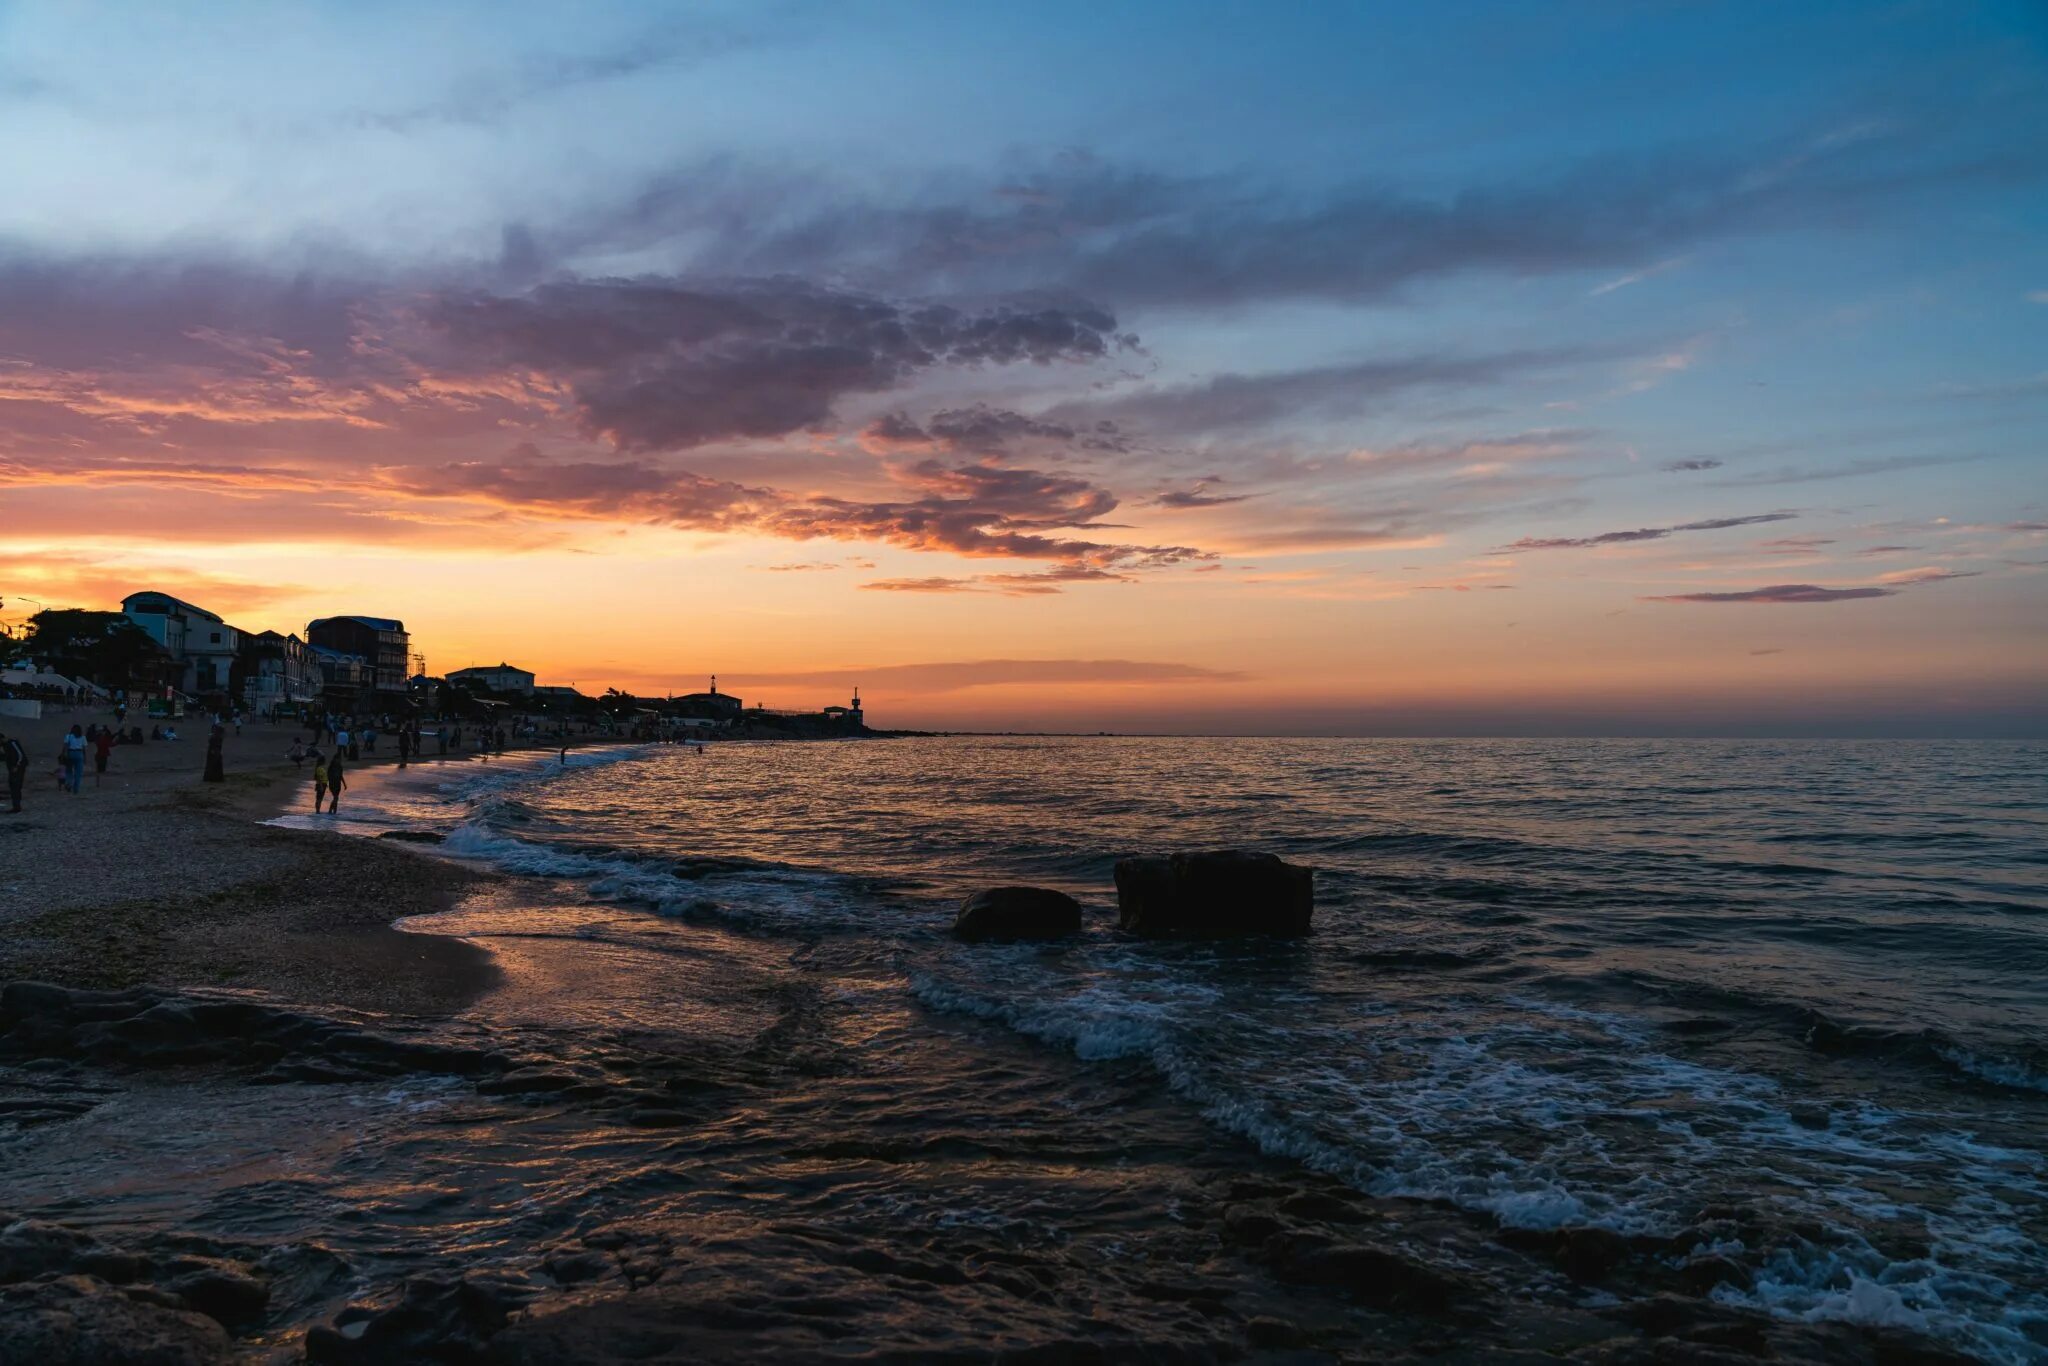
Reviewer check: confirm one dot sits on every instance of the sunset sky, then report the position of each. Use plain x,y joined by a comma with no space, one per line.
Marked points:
1320,368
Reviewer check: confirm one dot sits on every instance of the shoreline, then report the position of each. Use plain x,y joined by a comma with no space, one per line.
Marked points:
153,878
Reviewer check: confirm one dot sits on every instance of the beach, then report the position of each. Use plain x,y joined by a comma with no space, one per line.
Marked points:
675,1059
150,876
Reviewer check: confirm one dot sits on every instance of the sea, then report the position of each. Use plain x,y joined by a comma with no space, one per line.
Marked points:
1799,986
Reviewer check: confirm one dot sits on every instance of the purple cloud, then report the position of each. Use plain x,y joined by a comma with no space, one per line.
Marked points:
1782,593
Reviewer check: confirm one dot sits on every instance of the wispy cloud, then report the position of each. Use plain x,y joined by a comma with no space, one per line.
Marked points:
1649,533
996,673
1855,469
1780,593
1636,277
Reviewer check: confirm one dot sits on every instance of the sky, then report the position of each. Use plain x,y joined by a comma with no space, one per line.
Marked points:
1616,368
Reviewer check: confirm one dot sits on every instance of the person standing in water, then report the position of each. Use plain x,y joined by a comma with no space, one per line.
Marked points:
319,779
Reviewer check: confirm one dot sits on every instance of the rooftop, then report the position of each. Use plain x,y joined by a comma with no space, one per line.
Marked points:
374,623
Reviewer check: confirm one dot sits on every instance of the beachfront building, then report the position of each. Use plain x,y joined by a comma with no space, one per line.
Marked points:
557,695
278,671
496,677
714,706
203,646
342,675
381,641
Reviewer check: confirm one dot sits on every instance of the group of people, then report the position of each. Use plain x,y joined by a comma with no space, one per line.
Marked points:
73,747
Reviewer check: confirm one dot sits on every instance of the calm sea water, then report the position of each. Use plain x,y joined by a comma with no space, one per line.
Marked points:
1552,982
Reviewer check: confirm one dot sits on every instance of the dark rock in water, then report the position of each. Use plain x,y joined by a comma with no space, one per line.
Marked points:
413,836
1008,913
220,1291
436,1319
81,1321
33,1247
1222,892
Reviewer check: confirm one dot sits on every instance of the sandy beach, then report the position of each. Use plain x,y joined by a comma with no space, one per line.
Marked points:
150,876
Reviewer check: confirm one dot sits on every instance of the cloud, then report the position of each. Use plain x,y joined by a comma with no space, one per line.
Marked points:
983,430
801,567
1781,593
1461,587
1230,402
1886,549
1636,277
2037,296
61,580
1653,533
983,511
1855,469
928,585
1925,574
1139,238
1035,583
995,673
1683,466
1199,496
669,364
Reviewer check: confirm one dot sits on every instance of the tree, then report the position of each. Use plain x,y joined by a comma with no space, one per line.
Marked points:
105,647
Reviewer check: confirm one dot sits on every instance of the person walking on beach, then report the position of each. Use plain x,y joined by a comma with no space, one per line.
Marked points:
319,779
404,746
102,750
74,759
335,783
16,759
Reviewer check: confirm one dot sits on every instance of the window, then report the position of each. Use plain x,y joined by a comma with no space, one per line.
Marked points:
216,637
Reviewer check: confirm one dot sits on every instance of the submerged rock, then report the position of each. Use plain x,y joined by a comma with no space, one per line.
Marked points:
413,836
1005,913
1218,893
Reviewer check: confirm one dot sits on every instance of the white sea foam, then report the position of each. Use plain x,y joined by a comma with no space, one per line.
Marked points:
1555,1117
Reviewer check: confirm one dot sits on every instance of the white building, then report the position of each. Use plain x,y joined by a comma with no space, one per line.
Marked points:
498,678
203,644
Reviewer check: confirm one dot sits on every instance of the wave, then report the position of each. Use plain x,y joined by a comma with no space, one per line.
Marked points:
2023,1067
738,893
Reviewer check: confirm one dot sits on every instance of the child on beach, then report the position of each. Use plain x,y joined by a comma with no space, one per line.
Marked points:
319,781
297,753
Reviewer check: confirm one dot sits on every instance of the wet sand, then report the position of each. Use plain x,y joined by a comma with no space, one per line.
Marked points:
150,876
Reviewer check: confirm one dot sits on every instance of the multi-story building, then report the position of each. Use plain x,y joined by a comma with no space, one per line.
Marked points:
496,677
381,641
342,675
203,645
278,671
